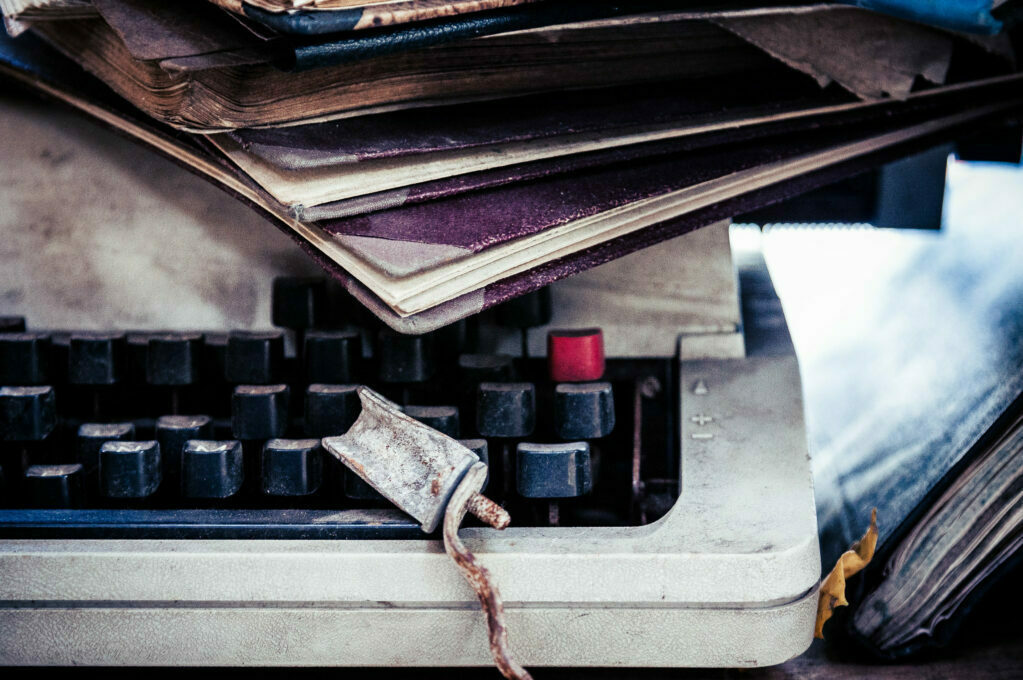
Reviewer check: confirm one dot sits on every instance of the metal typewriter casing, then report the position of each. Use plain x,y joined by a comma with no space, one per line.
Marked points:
727,578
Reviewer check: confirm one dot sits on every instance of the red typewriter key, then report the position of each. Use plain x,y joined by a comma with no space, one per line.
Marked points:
576,355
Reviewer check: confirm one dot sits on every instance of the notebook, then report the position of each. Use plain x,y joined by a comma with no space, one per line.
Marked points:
920,383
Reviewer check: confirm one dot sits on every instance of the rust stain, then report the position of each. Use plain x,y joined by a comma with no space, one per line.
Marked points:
435,487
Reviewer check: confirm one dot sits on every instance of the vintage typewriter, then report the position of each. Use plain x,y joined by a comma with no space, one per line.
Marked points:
166,499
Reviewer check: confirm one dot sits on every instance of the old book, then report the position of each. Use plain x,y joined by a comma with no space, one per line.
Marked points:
427,265
516,63
925,421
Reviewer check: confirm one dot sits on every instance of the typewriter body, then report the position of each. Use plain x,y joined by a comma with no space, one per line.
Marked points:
695,546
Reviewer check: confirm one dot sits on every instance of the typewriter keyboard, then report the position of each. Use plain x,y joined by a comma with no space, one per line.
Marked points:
217,435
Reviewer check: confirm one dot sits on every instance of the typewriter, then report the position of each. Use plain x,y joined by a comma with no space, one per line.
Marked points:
166,500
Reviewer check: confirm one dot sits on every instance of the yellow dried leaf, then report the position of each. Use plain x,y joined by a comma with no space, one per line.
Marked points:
832,589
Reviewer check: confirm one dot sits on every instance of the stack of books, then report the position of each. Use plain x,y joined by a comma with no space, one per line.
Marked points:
438,157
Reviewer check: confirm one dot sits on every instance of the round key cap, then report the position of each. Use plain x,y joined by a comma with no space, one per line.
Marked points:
332,357
404,358
584,410
27,413
575,355
292,467
254,357
173,359
129,469
91,438
96,358
330,409
172,433
24,358
479,447
441,418
553,470
259,411
526,311
506,409
211,469
299,302
54,486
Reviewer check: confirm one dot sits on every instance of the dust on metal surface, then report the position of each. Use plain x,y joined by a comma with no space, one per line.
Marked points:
411,464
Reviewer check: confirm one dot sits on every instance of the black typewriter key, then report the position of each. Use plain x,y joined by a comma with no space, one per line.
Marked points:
60,351
553,470
91,438
254,357
404,358
12,324
136,348
330,409
505,409
216,391
332,357
211,469
145,428
95,358
441,418
357,489
299,302
54,486
27,414
526,311
292,467
27,418
173,359
172,433
129,469
24,358
259,411
476,368
479,447
583,410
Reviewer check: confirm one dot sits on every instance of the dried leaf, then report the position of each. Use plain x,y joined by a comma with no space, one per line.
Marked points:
832,589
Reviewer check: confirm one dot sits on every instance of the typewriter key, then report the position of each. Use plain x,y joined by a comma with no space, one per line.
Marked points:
553,470
12,324
299,302
506,409
583,410
330,409
441,418
292,467
404,358
211,469
129,470
90,439
24,358
172,433
259,411
575,355
54,486
254,357
332,357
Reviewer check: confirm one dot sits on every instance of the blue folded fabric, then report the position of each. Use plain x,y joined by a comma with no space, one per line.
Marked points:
971,16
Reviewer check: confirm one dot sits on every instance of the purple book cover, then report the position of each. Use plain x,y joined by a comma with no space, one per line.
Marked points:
533,117
479,220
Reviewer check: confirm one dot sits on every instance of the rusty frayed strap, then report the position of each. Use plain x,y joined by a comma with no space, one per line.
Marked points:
832,590
429,475
476,574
